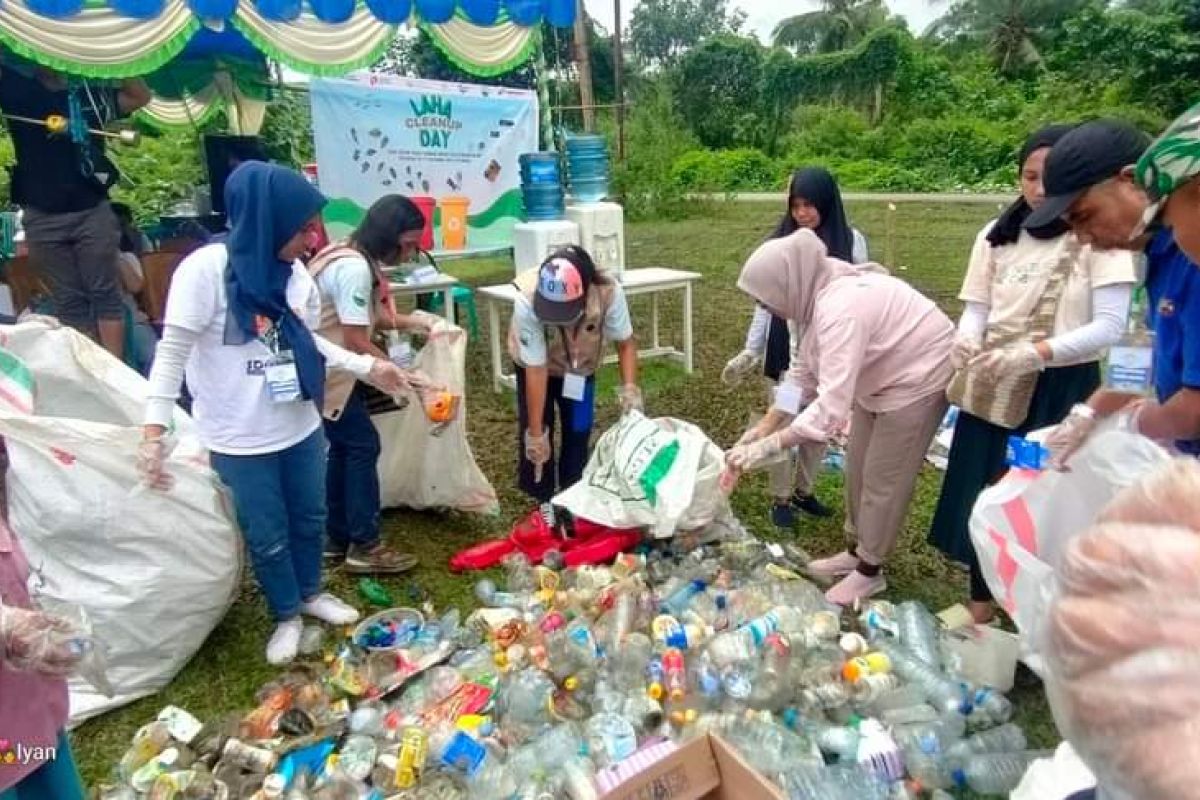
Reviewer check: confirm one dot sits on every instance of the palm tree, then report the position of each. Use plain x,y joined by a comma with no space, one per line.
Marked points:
1012,31
839,25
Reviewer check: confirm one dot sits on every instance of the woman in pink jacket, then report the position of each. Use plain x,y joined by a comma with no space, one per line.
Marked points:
35,757
875,354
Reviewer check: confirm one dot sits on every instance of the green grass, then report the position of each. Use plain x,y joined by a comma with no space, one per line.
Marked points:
930,247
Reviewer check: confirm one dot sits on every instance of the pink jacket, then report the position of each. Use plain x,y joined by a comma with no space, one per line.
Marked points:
33,708
875,341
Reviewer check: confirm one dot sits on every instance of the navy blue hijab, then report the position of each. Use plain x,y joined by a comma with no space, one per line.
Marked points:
268,205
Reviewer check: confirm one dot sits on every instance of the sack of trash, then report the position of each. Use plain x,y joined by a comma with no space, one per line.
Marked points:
661,474
154,571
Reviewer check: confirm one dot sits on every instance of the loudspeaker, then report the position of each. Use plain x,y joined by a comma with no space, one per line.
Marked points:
221,155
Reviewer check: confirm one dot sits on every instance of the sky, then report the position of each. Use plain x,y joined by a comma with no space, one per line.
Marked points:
763,15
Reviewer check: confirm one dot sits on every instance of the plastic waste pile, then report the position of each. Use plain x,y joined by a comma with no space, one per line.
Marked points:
562,674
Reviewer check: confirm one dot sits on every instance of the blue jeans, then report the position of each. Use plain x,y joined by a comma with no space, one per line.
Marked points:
575,420
58,779
280,503
353,479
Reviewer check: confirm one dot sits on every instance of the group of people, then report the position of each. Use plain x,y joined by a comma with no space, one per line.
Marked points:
1049,289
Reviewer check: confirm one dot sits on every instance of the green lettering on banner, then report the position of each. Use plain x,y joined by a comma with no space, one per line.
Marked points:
432,105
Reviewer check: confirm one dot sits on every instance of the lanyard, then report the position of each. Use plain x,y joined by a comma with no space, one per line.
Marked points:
570,341
384,290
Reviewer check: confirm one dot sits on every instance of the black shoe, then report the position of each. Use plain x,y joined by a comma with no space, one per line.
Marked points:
783,516
810,505
334,553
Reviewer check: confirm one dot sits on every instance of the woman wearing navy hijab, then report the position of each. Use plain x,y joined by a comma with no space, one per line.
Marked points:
239,319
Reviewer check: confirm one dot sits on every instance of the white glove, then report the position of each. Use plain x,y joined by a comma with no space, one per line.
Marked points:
537,452
740,367
151,464
631,398
965,348
387,377
1007,362
1069,435
35,641
744,457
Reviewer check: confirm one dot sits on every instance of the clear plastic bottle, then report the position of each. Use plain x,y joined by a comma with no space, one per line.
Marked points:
675,674
678,601
989,707
706,682
839,782
919,632
732,647
942,692
611,739
148,742
996,773
518,573
487,594
1008,738
936,737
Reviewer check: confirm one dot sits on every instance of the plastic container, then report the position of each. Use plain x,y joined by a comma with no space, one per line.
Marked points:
454,222
541,187
919,632
427,206
587,167
997,773
401,618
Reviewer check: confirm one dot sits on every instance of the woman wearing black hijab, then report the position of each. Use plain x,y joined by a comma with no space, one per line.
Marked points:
1036,301
815,203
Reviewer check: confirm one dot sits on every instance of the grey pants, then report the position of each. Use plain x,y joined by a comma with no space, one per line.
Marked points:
883,459
75,253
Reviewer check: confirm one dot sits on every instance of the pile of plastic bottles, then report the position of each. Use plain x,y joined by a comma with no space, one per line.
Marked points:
562,674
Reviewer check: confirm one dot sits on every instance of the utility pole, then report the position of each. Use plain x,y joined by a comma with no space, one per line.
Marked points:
619,79
583,58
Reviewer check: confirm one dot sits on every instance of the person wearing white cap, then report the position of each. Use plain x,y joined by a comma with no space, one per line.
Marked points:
564,313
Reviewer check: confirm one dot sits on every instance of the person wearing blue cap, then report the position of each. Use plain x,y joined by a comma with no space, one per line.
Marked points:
564,313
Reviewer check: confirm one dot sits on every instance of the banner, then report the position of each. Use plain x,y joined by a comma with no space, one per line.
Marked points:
456,143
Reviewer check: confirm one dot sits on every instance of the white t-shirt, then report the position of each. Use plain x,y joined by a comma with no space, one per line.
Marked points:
232,408
531,332
348,282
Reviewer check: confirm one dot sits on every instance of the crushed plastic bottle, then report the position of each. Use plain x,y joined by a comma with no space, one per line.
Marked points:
941,691
919,632
1008,738
996,773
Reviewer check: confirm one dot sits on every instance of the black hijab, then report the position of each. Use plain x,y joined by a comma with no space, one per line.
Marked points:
818,187
1008,227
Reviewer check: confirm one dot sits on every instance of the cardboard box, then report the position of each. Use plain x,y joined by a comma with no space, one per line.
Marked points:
706,768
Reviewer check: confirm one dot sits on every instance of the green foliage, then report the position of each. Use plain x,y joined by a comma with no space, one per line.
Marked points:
717,91
655,137
839,24
966,147
662,31
287,131
158,172
726,170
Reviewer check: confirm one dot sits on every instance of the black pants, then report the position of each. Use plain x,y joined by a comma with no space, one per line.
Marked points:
575,420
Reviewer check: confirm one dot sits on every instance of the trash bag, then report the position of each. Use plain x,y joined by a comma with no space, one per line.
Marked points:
1020,526
426,464
661,474
155,571
1122,640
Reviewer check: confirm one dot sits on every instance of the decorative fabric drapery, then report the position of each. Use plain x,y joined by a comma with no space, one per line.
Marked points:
483,50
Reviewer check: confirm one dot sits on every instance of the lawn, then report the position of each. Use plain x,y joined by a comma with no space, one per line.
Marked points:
930,245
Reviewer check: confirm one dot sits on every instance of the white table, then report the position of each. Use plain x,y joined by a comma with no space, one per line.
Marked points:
443,285
652,281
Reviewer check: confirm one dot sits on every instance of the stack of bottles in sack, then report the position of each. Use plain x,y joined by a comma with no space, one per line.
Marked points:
562,675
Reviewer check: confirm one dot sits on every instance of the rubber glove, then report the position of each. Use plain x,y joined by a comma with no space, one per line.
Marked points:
35,641
388,378
1069,435
537,452
151,464
965,348
745,457
631,398
1009,362
740,367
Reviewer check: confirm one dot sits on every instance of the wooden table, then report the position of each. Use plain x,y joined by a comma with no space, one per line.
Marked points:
442,284
652,281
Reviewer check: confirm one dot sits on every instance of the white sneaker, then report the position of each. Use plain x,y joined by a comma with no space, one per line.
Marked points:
285,642
328,608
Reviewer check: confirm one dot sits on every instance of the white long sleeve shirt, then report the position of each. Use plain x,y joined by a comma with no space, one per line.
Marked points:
232,408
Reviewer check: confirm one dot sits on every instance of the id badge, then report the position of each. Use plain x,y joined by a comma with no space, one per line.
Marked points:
787,398
574,387
283,381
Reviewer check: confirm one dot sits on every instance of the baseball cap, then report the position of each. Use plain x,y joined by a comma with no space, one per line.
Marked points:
561,296
1088,155
1170,161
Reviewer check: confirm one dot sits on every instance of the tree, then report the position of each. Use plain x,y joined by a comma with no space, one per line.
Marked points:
838,25
1013,32
661,31
718,90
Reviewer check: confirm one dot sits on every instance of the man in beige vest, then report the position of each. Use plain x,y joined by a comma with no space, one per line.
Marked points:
355,303
564,313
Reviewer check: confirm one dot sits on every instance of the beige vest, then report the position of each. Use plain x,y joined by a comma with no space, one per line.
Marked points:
339,384
588,347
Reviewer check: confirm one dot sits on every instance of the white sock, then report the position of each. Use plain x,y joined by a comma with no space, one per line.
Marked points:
330,609
285,642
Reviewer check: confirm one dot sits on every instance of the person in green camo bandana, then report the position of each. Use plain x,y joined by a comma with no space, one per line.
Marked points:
1168,171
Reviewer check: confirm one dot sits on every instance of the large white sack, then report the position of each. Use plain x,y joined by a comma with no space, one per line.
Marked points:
155,571
1020,526
418,469
660,474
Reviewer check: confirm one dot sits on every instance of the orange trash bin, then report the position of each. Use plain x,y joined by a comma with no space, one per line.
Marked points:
454,222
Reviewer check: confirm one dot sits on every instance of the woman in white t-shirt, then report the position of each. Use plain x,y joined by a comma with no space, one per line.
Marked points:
1008,274
238,318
